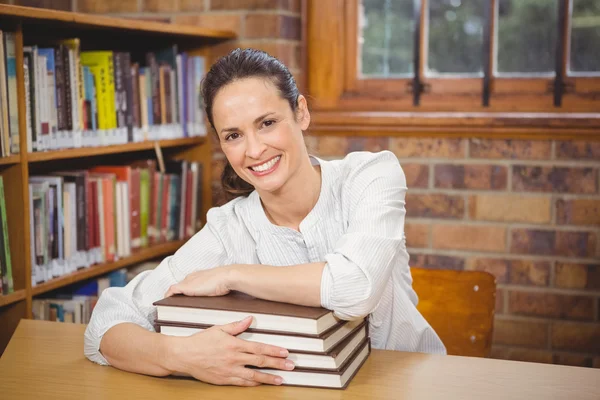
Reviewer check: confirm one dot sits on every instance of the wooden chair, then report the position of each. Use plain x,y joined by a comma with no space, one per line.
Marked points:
460,306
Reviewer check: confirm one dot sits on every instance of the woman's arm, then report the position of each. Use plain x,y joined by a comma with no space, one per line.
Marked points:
215,355
354,274
121,330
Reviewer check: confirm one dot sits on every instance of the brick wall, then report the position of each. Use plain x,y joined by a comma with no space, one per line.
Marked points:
526,211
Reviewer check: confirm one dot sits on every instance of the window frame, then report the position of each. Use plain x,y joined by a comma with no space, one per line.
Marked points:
517,106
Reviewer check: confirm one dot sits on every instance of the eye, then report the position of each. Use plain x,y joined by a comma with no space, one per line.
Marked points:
232,136
269,122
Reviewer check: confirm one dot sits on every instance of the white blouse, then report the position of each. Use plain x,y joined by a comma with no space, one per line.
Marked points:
356,227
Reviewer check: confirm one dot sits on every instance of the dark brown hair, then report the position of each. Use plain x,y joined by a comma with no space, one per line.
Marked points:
240,64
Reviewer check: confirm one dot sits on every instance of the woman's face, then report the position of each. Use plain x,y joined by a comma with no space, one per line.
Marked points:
259,133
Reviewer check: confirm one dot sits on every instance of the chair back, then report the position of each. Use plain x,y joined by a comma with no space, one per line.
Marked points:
460,306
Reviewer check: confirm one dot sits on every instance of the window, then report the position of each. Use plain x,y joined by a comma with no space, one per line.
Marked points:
455,56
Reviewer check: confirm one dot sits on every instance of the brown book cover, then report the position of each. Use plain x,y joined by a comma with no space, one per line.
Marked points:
241,302
134,193
365,346
323,335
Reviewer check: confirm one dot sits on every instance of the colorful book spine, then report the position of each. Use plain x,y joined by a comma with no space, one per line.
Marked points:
7,277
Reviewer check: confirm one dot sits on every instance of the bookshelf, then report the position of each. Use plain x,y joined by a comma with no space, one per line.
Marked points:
96,33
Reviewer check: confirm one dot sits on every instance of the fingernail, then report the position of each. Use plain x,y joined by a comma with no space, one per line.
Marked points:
289,365
284,353
278,381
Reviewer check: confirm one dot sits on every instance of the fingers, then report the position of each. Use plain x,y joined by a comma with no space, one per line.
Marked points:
253,375
263,361
173,289
261,348
241,382
235,328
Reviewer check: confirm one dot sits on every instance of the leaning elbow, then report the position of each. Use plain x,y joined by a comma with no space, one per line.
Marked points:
357,310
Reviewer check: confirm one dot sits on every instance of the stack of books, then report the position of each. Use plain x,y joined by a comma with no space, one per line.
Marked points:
327,352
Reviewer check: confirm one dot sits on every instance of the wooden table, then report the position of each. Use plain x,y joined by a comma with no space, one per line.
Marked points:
44,360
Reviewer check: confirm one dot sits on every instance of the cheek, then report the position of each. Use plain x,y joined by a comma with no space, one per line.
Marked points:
235,154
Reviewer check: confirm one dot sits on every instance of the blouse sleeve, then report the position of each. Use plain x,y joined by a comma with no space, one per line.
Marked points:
133,303
360,266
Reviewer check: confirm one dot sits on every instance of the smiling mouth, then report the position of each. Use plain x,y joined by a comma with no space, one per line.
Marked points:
264,167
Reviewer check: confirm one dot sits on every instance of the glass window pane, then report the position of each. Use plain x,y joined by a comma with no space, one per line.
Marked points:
526,36
386,37
585,36
455,37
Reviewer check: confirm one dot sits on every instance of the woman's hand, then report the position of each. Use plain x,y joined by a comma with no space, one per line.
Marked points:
207,282
216,356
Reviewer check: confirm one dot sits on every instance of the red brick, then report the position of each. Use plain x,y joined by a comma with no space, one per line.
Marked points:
490,177
469,237
554,179
417,235
510,208
284,52
576,244
527,355
577,276
107,6
519,272
527,272
499,301
434,205
574,360
558,243
497,267
436,262
333,146
578,150
511,149
417,175
373,144
520,333
228,22
248,4
62,5
160,6
584,338
578,212
428,147
550,305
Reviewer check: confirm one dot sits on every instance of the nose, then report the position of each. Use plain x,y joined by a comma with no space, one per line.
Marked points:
254,146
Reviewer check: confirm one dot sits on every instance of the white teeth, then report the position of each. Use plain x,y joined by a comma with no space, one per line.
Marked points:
266,166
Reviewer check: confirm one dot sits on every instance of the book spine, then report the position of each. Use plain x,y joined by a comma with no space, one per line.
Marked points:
11,80
7,274
68,96
129,94
120,93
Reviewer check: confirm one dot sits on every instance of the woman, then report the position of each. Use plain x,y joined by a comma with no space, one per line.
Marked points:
300,230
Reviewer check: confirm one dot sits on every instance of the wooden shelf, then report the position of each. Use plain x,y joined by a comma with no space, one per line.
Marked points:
158,250
121,24
7,299
115,149
10,160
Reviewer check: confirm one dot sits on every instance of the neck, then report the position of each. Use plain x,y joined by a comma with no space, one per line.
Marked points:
292,203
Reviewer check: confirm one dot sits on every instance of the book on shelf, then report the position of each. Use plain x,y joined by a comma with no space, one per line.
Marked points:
6,278
86,217
9,116
102,97
327,352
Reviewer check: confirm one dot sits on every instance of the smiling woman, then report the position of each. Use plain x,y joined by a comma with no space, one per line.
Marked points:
299,230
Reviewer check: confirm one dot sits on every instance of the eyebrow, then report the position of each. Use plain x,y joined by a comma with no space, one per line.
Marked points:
257,120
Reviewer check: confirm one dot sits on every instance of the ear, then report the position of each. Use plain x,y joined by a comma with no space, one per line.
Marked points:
302,113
